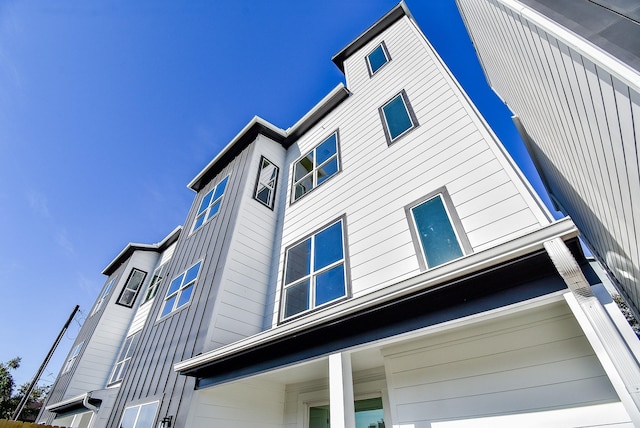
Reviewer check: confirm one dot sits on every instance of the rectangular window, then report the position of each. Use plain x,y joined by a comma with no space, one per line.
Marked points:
72,358
369,414
316,167
140,416
156,280
180,290
103,296
397,117
315,272
377,58
132,288
210,204
266,183
438,230
124,358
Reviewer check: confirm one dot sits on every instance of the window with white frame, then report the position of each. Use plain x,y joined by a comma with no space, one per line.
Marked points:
438,230
156,280
131,288
73,356
76,420
377,58
124,358
180,290
210,204
266,183
316,167
397,117
140,416
315,272
368,412
103,296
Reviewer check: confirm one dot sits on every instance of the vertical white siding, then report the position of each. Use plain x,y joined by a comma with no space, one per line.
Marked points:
582,117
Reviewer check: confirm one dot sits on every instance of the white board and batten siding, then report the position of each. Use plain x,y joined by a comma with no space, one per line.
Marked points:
451,147
536,363
582,112
239,310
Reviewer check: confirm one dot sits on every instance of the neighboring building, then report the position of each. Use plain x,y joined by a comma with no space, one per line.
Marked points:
570,73
382,262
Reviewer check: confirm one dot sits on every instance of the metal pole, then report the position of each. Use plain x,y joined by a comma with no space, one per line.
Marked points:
32,385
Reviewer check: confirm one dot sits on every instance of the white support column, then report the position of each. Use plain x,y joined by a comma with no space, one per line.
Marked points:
341,391
617,360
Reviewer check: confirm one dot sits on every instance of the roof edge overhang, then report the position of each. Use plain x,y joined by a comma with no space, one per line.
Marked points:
132,247
519,251
395,14
73,403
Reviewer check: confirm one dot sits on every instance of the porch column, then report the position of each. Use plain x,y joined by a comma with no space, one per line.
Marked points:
341,391
610,347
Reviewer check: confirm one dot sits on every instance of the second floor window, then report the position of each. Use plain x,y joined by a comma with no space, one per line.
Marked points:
316,167
397,117
210,204
180,290
73,356
124,358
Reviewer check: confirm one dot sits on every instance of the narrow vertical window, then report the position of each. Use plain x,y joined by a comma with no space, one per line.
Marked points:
180,290
315,271
132,288
103,296
316,167
397,117
377,58
210,204
156,280
266,183
437,229
73,355
124,358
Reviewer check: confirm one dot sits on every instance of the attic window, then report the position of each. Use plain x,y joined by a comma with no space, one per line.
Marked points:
377,58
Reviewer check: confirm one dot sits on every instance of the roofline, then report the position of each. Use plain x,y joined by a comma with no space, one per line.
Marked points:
395,14
511,250
73,403
258,126
133,247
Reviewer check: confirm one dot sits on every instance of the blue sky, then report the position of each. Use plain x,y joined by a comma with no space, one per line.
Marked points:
109,108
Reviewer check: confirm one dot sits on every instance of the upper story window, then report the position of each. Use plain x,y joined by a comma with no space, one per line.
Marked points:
397,117
316,167
103,296
377,58
438,229
132,288
180,290
210,204
266,182
140,416
72,358
315,271
156,280
124,358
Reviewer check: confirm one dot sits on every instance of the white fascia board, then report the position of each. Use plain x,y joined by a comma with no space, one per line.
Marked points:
256,120
78,399
476,262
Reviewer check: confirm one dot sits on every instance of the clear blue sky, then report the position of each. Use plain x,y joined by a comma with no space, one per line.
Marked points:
108,108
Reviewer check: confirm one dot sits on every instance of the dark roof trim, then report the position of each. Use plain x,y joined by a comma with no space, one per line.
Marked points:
381,25
132,247
516,281
258,126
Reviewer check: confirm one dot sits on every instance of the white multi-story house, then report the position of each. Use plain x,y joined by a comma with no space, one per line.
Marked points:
570,73
382,262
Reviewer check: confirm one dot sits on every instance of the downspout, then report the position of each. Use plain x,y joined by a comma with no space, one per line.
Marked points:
85,403
614,354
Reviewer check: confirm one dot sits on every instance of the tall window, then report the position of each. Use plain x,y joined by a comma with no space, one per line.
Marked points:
316,167
210,204
180,290
140,416
132,288
315,271
266,183
124,358
156,280
103,296
72,358
377,58
439,239
397,117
